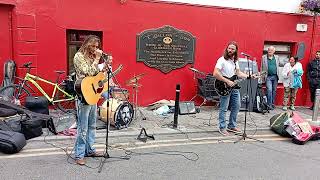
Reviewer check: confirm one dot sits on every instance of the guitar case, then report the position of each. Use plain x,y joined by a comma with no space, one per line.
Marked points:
302,130
11,142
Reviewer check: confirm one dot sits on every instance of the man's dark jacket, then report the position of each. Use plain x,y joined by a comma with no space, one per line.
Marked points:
313,72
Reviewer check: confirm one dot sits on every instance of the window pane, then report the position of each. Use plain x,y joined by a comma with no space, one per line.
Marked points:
72,51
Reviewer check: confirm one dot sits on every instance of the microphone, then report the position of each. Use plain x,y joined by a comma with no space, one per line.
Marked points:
245,54
105,56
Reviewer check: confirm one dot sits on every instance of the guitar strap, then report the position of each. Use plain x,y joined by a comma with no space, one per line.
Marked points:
235,67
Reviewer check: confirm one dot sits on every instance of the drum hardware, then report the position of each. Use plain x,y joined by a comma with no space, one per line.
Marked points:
120,93
145,136
135,85
197,71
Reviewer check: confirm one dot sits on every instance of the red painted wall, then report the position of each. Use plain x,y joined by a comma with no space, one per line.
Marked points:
5,34
40,36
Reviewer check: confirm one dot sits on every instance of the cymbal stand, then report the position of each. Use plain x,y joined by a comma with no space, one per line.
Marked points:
135,87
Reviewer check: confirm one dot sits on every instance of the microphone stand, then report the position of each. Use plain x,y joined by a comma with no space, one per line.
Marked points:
244,134
106,154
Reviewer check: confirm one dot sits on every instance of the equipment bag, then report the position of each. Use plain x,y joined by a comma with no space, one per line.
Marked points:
32,128
277,124
38,104
260,104
30,115
12,123
11,142
5,112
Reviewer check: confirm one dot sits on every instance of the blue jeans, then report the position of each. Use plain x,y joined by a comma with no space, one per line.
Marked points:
271,84
234,99
107,94
86,129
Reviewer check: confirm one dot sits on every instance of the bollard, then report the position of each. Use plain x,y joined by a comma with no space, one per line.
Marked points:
176,107
316,106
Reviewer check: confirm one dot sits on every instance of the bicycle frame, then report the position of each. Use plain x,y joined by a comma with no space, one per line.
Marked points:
33,79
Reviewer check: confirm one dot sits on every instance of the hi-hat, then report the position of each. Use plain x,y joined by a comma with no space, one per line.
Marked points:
197,71
134,79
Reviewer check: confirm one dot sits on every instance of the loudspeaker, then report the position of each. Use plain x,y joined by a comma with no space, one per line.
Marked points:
187,107
251,95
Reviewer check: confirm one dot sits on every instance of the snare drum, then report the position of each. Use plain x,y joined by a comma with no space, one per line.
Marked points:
120,93
120,113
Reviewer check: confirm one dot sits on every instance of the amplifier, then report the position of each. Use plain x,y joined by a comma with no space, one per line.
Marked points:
187,107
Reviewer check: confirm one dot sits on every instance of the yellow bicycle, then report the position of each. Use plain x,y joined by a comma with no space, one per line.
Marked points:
63,95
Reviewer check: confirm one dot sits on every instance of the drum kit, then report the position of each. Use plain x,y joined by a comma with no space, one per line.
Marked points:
121,111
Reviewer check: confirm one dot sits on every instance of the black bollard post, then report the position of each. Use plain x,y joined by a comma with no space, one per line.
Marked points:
176,107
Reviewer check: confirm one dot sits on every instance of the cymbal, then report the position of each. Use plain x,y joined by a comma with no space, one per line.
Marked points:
135,78
196,70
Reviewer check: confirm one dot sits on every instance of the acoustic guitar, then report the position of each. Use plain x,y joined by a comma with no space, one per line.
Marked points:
91,87
223,89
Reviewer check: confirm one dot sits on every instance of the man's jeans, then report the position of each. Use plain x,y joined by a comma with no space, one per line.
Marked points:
234,99
86,129
271,84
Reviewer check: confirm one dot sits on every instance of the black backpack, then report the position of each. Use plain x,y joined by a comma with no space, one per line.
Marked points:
260,104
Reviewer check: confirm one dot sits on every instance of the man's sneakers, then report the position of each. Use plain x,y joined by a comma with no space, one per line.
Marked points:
285,108
81,161
95,154
225,132
234,130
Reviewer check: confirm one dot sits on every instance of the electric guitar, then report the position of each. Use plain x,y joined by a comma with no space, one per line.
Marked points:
91,87
223,89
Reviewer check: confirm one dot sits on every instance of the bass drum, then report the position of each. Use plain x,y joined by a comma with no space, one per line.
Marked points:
120,113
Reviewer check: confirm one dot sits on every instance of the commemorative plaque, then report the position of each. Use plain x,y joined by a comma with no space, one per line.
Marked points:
165,48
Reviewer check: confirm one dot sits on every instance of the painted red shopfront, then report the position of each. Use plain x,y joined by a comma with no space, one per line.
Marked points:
39,35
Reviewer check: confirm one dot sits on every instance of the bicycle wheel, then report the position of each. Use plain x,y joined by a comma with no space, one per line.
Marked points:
68,106
11,94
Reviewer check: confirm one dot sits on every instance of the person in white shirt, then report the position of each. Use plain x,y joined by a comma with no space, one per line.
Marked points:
292,72
227,66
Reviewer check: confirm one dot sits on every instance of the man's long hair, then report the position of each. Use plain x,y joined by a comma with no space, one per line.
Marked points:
91,39
226,55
